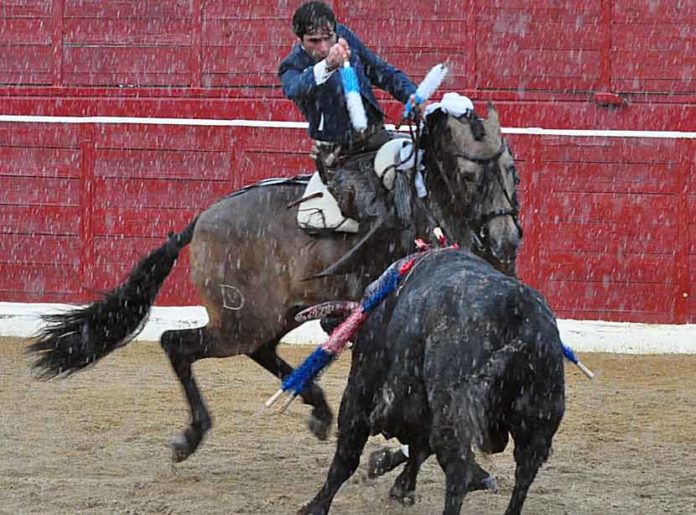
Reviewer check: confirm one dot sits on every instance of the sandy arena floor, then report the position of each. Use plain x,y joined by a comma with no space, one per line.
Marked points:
95,443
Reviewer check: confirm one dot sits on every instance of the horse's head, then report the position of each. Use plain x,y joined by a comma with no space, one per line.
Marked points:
472,178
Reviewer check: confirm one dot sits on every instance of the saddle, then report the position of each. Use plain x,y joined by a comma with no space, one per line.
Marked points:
318,210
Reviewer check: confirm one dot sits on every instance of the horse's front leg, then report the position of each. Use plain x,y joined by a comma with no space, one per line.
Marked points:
183,348
320,420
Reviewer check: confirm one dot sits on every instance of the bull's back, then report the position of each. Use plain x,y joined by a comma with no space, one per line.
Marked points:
480,333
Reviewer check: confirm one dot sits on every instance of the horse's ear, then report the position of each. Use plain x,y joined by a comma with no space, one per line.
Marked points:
492,116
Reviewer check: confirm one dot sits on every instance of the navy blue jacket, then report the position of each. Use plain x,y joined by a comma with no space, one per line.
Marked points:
297,76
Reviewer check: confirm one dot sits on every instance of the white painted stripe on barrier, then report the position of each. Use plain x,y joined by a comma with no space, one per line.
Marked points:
109,120
539,131
585,133
22,320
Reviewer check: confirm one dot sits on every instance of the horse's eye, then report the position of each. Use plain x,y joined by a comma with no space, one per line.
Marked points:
469,175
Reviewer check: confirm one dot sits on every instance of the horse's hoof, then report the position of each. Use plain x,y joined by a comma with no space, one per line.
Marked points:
311,509
180,448
405,498
377,466
320,423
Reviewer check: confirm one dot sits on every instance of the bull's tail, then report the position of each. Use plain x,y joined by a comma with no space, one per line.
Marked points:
78,338
487,388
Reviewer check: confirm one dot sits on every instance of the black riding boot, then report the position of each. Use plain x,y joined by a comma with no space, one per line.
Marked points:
361,197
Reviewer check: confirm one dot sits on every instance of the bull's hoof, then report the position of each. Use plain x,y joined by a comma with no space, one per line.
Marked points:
378,464
320,423
407,498
383,461
485,483
490,484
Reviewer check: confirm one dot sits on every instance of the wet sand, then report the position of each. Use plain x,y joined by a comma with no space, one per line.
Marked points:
96,442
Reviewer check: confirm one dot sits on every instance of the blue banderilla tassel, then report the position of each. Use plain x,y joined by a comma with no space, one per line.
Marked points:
298,380
350,79
386,284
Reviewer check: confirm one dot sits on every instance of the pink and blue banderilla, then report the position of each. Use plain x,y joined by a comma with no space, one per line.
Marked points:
295,383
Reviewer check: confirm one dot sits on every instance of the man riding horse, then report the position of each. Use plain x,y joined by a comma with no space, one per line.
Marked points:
343,155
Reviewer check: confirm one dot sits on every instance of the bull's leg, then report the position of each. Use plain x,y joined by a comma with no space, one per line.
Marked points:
353,431
532,448
385,460
404,489
320,419
482,480
183,348
452,446
456,462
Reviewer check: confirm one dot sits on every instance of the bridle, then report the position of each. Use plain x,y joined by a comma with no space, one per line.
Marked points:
489,164
477,225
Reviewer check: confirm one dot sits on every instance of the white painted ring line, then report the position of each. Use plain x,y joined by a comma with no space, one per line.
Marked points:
272,124
22,320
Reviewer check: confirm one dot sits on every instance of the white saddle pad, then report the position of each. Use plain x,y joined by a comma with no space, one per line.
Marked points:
397,156
322,212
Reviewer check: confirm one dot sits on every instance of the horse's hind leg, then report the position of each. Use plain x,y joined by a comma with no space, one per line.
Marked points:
183,348
321,417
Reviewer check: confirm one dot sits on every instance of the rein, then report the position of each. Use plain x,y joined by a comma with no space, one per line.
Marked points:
488,162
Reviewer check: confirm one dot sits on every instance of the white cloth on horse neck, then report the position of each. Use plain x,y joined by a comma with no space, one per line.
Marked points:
452,103
407,158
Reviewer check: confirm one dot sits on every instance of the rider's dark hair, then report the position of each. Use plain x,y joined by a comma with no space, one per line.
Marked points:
312,17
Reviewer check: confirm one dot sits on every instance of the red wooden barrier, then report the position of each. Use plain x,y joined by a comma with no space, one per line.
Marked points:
610,222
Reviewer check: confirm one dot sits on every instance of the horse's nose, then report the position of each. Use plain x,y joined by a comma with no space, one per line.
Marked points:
504,237
507,249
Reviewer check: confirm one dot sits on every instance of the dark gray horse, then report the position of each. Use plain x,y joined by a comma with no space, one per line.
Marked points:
250,264
462,356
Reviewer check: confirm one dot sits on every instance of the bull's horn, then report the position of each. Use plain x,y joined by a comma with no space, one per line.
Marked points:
327,309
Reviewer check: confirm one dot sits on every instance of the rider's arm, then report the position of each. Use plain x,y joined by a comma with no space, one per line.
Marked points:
382,74
302,84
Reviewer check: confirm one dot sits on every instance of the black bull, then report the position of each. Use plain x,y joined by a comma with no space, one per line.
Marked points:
462,356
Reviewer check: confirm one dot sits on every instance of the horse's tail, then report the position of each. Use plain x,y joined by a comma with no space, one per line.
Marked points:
78,338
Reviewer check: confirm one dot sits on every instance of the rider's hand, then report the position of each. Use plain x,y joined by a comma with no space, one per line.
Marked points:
338,54
417,110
